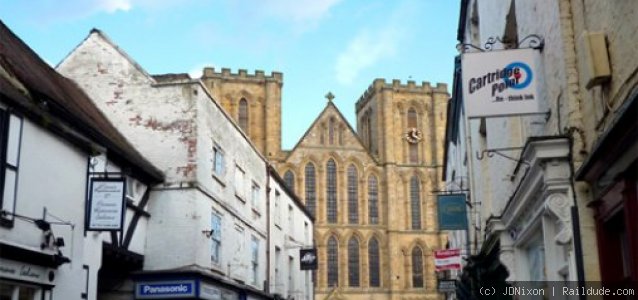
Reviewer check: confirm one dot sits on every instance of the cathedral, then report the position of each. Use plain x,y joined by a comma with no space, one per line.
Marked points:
370,189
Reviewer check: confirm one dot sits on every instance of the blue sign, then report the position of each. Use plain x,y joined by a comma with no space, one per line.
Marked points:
452,213
165,289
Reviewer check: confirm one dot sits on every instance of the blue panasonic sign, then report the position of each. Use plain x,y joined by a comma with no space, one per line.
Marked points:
165,289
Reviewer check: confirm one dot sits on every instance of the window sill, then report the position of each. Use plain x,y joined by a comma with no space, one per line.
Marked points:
256,211
5,222
219,179
240,198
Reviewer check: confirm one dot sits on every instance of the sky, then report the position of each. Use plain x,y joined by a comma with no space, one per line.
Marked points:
319,45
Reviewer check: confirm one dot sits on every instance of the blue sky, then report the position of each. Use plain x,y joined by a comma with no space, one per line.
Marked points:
319,45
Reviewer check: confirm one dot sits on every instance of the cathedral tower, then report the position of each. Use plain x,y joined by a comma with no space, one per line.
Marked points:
253,101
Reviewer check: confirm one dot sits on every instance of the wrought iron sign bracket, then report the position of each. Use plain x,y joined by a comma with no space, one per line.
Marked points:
532,41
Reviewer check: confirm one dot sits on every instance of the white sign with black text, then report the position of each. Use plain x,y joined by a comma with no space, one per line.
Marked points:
106,204
501,83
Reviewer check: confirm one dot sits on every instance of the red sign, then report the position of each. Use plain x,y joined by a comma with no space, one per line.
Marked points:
449,259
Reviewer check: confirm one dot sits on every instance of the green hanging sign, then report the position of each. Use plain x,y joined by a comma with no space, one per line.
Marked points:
452,212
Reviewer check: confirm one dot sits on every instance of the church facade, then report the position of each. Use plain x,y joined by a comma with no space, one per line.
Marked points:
370,189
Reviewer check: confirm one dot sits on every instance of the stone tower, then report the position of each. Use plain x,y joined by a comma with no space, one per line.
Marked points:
254,101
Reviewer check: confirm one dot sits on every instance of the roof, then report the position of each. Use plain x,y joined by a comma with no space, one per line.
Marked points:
42,92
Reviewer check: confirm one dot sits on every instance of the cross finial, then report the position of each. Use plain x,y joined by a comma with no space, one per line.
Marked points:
329,96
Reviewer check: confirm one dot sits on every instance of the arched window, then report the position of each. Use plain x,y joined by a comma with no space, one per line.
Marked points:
331,191
417,267
413,148
373,262
412,118
341,131
353,262
289,179
243,115
373,200
331,131
353,195
311,197
333,262
415,202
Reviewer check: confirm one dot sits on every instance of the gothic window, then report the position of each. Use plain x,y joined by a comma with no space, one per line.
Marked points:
289,179
373,200
415,202
341,130
331,191
311,196
417,267
333,262
369,132
243,114
331,131
353,195
412,116
373,262
353,262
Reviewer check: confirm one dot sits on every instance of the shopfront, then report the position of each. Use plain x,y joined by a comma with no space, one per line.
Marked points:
611,171
25,274
192,285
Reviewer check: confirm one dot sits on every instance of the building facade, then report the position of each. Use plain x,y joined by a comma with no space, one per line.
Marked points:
545,206
54,142
209,229
369,190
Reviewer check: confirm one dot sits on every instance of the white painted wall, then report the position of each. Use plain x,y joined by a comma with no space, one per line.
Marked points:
290,232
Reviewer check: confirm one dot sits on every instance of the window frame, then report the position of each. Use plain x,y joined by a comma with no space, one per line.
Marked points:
332,201
216,237
6,115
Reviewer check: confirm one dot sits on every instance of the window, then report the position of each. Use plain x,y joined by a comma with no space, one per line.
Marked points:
311,197
130,187
353,262
277,282
331,131
373,200
254,247
218,160
333,262
331,191
415,202
291,279
277,209
291,220
255,196
216,237
239,182
417,267
289,180
10,136
243,115
353,195
373,262
9,290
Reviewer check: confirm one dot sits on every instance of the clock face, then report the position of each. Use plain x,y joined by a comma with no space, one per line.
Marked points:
413,135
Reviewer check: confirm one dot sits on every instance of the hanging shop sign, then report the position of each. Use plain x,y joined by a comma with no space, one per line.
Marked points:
308,259
10,269
501,83
106,205
449,259
452,212
165,290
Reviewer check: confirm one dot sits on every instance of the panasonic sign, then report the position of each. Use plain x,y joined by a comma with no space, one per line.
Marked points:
165,289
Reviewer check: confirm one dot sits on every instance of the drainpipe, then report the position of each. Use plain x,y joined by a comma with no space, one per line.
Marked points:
267,281
578,246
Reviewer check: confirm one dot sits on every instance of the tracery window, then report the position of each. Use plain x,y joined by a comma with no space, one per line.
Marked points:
417,267
373,262
353,195
311,196
289,180
373,200
353,262
333,262
331,191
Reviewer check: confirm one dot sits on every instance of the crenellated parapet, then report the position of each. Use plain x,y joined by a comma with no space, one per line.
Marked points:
242,74
410,86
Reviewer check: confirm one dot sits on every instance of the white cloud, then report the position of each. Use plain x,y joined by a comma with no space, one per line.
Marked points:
196,71
111,6
300,10
363,51
370,47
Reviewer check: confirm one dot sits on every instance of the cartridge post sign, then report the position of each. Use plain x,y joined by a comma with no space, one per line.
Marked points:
501,83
